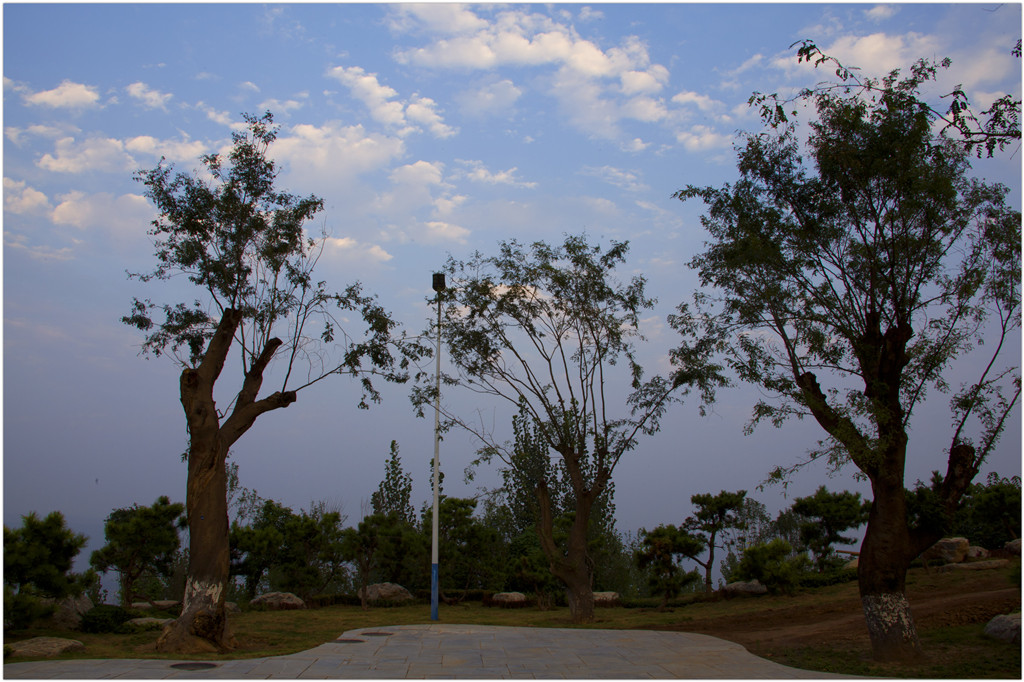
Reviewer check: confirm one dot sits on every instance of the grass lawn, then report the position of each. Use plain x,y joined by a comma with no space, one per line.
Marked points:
953,650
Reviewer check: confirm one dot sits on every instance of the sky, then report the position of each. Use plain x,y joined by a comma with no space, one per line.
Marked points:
429,130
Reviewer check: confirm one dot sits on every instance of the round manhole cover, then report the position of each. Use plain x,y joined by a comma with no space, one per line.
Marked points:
376,634
193,666
348,640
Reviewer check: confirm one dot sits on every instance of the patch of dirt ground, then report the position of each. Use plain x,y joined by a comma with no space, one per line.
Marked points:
839,620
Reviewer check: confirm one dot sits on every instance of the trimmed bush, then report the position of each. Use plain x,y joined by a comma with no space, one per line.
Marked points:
106,618
773,565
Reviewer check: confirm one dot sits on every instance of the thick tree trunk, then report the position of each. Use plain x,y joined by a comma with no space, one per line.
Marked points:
572,566
885,557
202,625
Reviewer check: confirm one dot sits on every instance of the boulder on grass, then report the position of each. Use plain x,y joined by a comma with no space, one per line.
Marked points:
68,613
745,587
975,552
1005,628
607,599
150,623
278,601
508,600
386,592
44,646
947,550
1013,546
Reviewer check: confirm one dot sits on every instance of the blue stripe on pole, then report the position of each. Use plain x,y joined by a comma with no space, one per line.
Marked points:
433,592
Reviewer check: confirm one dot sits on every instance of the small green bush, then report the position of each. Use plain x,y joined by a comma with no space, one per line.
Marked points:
773,565
835,577
105,618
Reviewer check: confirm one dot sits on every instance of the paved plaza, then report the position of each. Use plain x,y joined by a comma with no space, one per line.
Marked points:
459,651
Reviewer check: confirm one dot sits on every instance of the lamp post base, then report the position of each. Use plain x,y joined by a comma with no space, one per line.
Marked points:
433,592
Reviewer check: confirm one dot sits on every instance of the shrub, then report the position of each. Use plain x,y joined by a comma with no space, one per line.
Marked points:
774,565
105,618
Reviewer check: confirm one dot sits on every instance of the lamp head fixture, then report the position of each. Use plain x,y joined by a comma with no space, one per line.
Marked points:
439,282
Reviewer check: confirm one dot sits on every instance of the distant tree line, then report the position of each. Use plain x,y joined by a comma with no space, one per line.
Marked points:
487,545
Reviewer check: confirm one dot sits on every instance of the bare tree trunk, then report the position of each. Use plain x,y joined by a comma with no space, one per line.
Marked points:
573,566
885,557
203,623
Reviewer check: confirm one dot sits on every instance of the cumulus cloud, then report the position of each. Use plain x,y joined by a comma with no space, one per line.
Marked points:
418,113
286,106
148,97
67,95
175,150
93,154
126,215
436,231
18,135
333,152
702,138
43,253
589,82
489,100
20,198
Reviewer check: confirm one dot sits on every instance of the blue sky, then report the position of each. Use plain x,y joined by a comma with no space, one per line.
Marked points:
429,130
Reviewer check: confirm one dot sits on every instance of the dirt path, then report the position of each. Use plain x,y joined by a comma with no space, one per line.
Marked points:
839,620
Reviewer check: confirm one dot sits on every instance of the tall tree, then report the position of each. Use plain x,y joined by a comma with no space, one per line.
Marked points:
242,243
547,330
394,494
37,564
715,514
850,285
140,540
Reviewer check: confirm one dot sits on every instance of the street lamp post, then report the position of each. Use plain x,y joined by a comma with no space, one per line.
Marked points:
439,286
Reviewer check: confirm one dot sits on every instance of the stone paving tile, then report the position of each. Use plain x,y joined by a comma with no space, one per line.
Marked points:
444,651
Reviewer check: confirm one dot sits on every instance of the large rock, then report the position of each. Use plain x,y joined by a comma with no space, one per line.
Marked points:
508,600
1005,628
745,587
68,614
975,552
948,550
974,566
278,601
150,623
1013,546
386,592
607,599
44,646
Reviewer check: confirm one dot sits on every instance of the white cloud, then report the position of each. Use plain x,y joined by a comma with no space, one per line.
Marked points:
286,106
39,252
478,173
627,180
409,117
492,99
20,198
646,82
588,13
334,153
67,95
703,138
221,117
349,249
702,102
445,18
437,231
17,135
94,154
422,111
249,85
124,216
875,55
150,98
175,150
880,12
